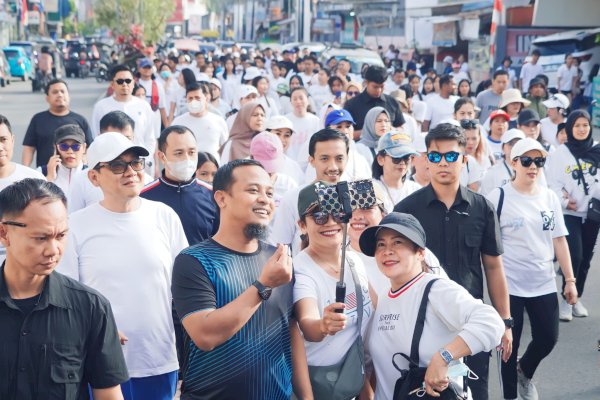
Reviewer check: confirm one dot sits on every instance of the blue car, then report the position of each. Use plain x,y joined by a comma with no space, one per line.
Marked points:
20,63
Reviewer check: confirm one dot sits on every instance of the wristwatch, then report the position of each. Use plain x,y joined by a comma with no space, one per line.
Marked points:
509,322
446,355
263,291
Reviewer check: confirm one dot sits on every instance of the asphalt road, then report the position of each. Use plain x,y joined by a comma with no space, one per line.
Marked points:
572,371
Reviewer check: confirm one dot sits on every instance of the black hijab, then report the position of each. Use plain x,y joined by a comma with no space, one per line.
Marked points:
581,149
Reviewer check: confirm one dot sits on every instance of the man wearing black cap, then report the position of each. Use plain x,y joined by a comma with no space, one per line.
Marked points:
371,97
536,95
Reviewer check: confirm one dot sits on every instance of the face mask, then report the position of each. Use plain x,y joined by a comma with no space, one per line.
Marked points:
195,106
165,74
182,170
457,369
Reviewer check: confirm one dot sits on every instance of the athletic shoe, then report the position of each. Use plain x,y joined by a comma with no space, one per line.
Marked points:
579,310
565,311
526,388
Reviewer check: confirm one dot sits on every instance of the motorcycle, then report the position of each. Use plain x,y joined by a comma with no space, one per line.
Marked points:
102,73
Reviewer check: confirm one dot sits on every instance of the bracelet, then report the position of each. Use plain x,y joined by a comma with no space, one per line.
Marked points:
570,280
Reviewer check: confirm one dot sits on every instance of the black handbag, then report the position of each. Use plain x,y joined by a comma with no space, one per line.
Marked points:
593,211
410,384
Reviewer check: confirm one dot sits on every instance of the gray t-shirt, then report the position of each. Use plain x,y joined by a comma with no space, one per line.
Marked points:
488,101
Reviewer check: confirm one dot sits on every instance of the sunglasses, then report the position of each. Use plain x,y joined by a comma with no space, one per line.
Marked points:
66,147
398,160
119,167
527,161
436,157
321,217
123,81
469,123
352,93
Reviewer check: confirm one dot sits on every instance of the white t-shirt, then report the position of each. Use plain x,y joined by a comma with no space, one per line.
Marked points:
304,128
273,84
494,148
366,152
210,131
283,184
21,172
138,110
529,264
128,257
313,282
472,172
321,94
394,196
64,176
270,105
178,97
230,89
528,72
439,109
549,130
451,311
284,227
293,170
566,76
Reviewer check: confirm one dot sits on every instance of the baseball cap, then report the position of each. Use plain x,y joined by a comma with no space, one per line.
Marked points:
267,149
396,144
110,145
338,116
308,198
251,73
279,122
528,115
557,100
411,66
525,145
537,81
448,59
404,224
499,113
246,90
146,63
70,131
512,134
216,82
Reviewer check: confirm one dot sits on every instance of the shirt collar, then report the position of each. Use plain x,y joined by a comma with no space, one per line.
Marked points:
462,195
170,182
52,293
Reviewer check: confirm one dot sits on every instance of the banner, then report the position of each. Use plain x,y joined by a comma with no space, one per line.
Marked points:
444,34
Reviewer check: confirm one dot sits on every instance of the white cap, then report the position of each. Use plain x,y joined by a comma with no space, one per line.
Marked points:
448,59
251,73
525,145
557,100
279,122
216,82
246,90
511,134
110,145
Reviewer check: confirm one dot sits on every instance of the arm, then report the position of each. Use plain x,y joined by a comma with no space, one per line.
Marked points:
498,289
425,126
300,377
436,377
561,249
112,393
315,328
164,117
27,156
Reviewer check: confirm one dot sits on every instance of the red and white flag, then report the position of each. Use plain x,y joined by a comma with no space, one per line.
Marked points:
497,19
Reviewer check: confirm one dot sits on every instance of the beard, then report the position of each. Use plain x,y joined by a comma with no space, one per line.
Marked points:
256,231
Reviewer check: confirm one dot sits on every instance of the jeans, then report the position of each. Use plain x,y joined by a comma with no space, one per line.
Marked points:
543,316
581,239
480,365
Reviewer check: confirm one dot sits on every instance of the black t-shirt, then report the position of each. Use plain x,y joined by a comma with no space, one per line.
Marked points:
256,362
40,133
361,104
27,305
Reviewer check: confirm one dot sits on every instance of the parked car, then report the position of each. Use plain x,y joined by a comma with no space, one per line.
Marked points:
356,56
5,74
31,48
20,63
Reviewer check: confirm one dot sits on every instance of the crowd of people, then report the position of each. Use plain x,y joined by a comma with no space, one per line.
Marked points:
181,235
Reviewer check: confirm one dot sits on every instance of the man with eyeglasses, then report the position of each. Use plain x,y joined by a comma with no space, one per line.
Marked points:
124,247
39,138
139,110
462,231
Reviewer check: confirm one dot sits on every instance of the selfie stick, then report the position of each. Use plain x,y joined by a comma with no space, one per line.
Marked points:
344,197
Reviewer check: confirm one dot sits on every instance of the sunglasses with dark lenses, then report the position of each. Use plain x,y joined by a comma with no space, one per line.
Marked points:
122,81
119,167
527,161
398,160
352,93
469,123
321,217
436,157
66,147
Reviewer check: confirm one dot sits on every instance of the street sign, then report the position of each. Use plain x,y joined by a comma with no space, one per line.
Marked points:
33,17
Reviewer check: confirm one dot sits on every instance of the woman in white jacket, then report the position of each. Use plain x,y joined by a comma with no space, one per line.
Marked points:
572,172
456,324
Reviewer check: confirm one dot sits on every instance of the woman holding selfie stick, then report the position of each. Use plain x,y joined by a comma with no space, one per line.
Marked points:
329,335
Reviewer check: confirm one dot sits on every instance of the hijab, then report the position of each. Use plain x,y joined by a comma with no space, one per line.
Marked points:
581,149
323,113
368,137
241,134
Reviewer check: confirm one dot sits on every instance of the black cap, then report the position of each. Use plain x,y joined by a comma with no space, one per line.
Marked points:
537,81
70,131
528,115
404,224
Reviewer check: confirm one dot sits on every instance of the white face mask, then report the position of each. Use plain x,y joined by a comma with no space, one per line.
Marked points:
196,106
183,170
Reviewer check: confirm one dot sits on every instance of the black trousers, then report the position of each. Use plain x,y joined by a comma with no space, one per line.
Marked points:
480,365
543,317
581,239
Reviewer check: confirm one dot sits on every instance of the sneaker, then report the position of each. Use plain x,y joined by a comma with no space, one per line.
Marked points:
565,311
579,310
526,388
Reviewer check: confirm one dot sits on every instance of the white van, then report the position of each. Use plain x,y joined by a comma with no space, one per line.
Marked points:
584,44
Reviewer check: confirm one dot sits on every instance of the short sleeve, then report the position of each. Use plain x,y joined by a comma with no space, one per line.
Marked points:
104,365
191,287
89,138
560,229
304,287
394,109
492,243
30,138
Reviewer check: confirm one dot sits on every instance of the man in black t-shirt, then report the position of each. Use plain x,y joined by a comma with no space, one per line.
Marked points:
233,294
39,137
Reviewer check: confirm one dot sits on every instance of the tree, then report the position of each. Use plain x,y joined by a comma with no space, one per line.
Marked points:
119,15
